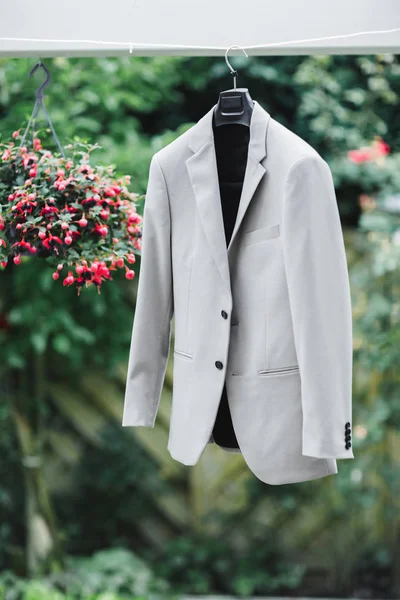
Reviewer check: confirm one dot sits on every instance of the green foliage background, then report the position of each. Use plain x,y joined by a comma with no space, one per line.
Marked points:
133,107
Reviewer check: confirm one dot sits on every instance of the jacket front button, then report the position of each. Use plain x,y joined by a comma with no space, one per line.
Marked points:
224,314
348,445
218,364
347,425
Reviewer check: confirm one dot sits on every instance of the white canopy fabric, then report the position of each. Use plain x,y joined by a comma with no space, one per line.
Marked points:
44,28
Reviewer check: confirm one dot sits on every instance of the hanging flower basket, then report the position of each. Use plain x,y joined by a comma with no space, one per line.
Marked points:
81,218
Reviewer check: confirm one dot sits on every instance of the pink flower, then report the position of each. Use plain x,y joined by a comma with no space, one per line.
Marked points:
359,156
381,148
29,159
60,185
69,280
51,241
101,229
48,210
376,151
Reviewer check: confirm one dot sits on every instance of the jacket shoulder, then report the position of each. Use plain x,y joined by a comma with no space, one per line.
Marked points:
175,151
290,145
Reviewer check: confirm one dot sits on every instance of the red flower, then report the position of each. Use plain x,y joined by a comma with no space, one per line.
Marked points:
376,151
29,159
85,169
381,147
25,245
101,229
70,279
74,235
51,240
359,156
48,210
91,199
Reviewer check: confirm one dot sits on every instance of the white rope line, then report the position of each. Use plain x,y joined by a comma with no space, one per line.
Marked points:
131,45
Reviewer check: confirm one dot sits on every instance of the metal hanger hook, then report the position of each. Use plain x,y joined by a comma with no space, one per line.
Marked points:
232,70
39,91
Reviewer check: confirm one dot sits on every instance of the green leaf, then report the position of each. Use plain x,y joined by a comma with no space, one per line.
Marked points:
39,341
15,360
62,344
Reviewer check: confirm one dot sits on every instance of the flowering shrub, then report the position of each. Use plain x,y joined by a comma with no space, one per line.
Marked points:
81,219
375,152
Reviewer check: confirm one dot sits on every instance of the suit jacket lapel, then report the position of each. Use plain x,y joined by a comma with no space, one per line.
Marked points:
203,173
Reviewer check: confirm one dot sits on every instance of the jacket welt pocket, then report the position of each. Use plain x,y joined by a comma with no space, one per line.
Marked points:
182,354
260,235
279,371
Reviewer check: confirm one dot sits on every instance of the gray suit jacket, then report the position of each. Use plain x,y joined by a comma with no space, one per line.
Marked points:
269,315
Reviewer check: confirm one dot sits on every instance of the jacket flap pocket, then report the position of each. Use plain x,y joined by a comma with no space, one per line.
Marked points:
260,235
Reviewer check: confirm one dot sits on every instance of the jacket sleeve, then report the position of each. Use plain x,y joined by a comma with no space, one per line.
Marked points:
320,302
150,342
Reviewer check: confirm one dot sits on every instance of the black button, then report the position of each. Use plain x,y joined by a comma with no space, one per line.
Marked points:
347,424
347,431
347,438
224,314
348,445
219,364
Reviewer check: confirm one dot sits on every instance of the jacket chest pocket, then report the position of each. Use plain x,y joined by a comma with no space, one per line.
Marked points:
261,235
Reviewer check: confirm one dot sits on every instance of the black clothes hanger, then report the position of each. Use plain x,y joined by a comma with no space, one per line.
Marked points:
235,106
